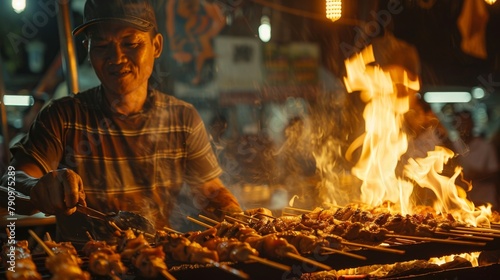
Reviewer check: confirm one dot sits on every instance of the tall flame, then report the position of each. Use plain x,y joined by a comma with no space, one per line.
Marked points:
385,93
383,142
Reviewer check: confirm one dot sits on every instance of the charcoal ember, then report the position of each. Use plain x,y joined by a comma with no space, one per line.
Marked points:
412,268
457,262
184,267
354,277
322,275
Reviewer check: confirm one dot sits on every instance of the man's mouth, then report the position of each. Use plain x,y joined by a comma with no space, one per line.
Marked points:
120,73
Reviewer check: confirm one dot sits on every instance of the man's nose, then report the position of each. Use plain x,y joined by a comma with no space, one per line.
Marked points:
116,54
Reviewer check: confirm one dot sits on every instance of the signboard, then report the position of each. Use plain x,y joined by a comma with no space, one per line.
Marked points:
239,64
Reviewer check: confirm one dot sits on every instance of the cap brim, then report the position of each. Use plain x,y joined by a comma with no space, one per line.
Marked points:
136,23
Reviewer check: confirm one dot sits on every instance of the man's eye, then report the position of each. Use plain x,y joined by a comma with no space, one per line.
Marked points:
98,46
132,45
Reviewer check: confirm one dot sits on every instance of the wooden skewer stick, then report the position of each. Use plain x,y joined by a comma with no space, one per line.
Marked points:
48,237
400,241
41,243
199,222
254,218
115,226
375,248
208,219
465,234
479,229
298,209
459,242
239,214
335,251
229,218
246,216
90,237
227,268
172,230
270,263
494,224
306,260
485,234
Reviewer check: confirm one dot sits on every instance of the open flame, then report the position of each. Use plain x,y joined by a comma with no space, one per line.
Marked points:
472,257
383,270
385,93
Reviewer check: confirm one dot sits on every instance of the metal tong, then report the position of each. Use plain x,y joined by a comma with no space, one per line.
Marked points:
121,221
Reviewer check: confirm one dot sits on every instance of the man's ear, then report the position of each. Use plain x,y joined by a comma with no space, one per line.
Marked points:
158,44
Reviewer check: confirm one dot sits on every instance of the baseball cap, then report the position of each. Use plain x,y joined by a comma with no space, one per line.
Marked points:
137,13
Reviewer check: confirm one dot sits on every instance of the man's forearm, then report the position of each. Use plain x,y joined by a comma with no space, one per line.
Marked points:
16,186
212,197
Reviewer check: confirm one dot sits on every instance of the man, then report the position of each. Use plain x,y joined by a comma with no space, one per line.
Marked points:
121,145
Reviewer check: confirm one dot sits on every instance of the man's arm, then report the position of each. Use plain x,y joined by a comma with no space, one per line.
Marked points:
18,180
214,199
57,191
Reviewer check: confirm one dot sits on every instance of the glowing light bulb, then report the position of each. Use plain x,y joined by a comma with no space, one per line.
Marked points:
333,9
19,5
265,29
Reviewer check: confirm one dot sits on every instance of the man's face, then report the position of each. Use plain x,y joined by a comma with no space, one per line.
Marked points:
122,57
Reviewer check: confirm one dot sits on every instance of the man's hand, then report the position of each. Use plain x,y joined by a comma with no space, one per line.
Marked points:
58,192
215,200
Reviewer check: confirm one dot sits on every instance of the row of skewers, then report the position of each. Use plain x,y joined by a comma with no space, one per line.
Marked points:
148,260
242,238
363,226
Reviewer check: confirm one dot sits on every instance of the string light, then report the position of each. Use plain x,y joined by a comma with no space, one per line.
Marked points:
18,5
265,29
333,9
491,2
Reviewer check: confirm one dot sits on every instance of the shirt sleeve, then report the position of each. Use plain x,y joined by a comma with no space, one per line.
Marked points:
43,143
201,164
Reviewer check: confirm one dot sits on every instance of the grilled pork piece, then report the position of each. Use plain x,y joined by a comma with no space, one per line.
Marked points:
305,243
182,249
104,260
149,261
64,265
24,268
231,249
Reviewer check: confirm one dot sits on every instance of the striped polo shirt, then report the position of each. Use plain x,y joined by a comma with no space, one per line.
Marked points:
136,162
